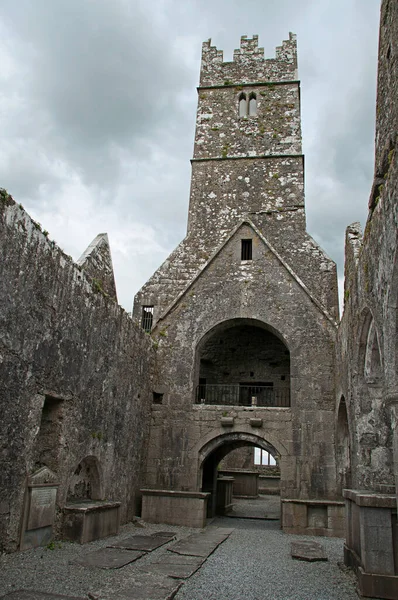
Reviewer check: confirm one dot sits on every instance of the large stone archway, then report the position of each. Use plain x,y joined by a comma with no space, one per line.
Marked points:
241,362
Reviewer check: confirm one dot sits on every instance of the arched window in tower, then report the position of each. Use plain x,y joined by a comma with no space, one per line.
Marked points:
252,105
242,105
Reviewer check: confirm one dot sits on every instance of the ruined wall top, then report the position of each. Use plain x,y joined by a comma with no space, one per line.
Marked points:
249,64
387,90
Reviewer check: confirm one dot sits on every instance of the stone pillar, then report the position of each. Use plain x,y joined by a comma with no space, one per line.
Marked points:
377,552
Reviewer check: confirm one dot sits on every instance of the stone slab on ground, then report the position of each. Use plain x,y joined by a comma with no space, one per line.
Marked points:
200,544
176,565
218,532
143,586
146,543
109,558
169,534
308,550
32,595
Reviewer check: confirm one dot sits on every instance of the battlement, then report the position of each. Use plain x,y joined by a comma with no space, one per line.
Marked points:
249,64
249,46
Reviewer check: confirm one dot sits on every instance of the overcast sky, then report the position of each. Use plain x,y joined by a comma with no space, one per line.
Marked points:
97,114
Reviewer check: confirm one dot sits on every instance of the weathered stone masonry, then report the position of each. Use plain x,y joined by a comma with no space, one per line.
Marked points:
244,348
367,375
75,375
247,184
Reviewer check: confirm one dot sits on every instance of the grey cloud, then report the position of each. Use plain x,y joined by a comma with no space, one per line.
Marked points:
103,97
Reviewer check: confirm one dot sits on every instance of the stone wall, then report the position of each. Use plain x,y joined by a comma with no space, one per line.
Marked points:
75,377
367,351
304,431
243,458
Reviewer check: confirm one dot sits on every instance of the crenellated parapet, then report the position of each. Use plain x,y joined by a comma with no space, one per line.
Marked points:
249,64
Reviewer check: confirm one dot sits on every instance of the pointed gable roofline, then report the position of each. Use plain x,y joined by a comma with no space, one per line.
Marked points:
248,222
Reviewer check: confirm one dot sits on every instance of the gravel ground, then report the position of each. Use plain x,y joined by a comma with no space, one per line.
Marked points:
254,563
50,569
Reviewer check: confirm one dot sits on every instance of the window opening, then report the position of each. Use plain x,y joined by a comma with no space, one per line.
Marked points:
157,397
246,251
263,458
242,105
147,318
252,105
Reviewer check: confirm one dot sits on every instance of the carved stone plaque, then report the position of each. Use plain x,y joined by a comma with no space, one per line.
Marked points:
42,506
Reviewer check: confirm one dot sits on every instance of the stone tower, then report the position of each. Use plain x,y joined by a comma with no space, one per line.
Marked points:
243,312
247,163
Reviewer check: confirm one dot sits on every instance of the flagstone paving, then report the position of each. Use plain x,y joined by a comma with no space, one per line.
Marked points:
251,560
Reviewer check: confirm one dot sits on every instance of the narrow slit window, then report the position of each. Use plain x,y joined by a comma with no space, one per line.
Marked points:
147,318
246,250
242,105
252,105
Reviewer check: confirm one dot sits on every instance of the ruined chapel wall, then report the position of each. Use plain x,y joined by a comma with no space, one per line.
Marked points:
62,340
371,294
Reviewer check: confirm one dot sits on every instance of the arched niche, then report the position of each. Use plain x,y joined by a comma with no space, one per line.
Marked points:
241,362
85,483
343,448
370,369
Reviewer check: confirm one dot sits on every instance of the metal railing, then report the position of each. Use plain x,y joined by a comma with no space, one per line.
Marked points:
242,395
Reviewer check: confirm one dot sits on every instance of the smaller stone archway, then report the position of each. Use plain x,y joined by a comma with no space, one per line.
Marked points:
216,449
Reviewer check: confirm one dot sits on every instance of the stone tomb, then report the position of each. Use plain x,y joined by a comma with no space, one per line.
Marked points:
90,520
39,509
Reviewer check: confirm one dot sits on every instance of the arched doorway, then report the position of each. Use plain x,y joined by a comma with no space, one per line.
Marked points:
243,362
215,467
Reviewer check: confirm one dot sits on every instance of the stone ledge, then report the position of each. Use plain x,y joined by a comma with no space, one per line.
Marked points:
244,157
313,502
91,506
371,499
174,493
271,84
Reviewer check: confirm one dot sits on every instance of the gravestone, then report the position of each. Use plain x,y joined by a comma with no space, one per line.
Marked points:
39,509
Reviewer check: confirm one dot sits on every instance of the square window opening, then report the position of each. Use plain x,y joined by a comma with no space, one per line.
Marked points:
157,397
